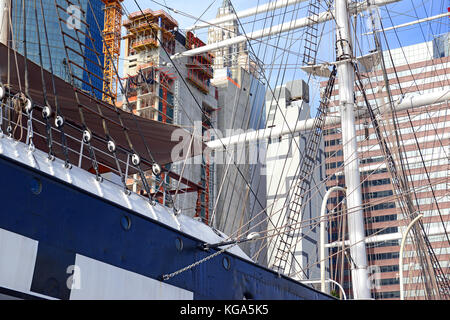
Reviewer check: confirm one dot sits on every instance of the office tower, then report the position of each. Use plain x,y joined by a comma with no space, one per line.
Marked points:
421,68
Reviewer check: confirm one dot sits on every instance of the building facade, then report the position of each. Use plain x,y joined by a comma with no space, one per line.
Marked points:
287,105
424,134
240,181
240,190
179,94
232,60
85,47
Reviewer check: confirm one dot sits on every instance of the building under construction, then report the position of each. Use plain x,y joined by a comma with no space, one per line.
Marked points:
180,95
180,92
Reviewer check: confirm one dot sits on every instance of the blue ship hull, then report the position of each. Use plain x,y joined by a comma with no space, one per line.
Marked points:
69,225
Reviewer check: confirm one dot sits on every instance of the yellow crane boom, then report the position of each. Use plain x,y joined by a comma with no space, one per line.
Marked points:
111,48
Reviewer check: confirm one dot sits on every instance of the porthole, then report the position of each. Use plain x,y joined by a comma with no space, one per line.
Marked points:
36,186
179,244
226,263
125,221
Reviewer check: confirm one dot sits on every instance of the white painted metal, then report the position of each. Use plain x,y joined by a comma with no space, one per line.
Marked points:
368,61
346,78
323,219
442,15
97,280
413,101
275,30
246,13
400,259
327,280
31,293
5,6
110,191
384,237
17,260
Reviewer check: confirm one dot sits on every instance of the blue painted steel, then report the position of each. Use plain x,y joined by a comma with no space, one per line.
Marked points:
69,220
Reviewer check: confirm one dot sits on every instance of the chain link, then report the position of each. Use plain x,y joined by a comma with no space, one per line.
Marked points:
166,277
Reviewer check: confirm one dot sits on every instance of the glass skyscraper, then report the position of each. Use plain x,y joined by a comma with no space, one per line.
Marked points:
88,54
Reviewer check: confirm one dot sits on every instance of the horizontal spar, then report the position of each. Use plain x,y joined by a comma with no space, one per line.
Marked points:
274,5
306,125
439,16
383,237
281,28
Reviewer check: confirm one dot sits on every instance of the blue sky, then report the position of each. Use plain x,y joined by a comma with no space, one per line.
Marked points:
393,14
195,8
400,12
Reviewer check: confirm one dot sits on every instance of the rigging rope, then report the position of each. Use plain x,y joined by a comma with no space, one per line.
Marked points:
87,135
47,110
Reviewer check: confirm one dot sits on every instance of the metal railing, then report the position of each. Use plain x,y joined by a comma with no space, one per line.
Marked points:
13,124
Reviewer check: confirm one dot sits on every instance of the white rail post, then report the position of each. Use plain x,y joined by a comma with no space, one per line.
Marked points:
327,280
400,259
323,220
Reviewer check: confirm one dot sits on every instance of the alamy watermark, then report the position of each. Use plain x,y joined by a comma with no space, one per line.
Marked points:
374,280
74,280
244,152
373,22
73,22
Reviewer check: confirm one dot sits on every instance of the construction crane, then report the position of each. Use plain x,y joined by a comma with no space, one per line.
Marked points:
111,48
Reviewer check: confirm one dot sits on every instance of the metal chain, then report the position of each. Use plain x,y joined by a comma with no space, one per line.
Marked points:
166,277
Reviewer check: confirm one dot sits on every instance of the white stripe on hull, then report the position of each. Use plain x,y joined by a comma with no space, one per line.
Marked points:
90,279
98,281
17,260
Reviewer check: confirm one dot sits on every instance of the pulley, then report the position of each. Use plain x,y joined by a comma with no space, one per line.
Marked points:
156,169
59,121
28,106
135,159
2,91
87,136
111,146
46,112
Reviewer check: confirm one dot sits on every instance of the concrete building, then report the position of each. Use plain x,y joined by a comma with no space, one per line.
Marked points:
289,103
421,68
233,60
179,94
240,179
240,190
228,195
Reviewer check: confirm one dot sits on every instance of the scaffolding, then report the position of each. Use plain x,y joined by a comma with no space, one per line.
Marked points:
143,27
149,88
199,67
